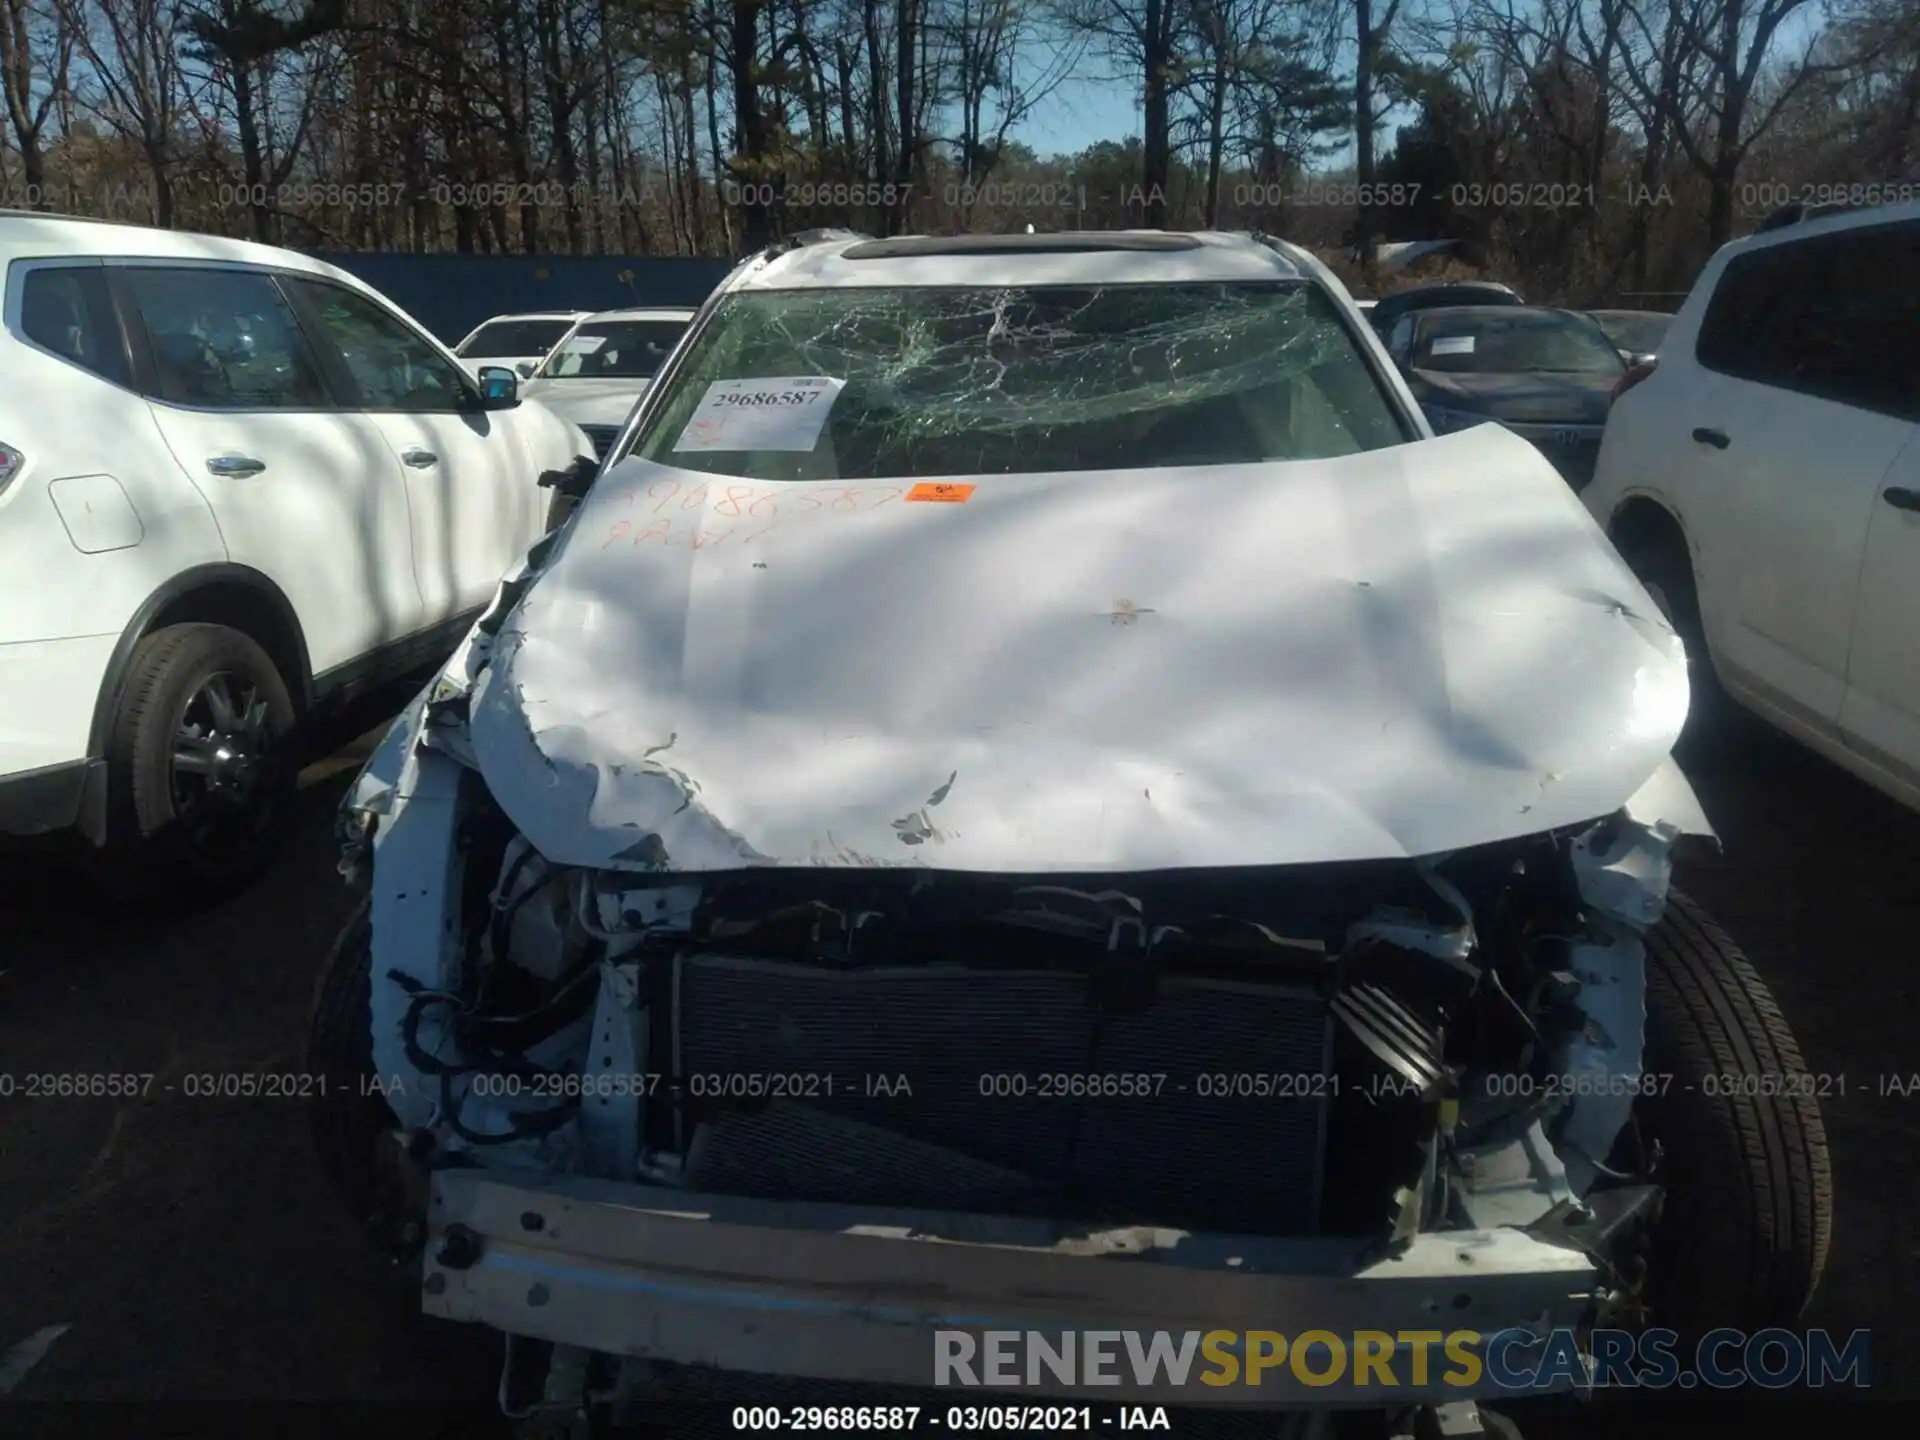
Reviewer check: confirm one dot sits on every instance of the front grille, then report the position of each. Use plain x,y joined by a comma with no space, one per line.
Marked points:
968,1041
602,437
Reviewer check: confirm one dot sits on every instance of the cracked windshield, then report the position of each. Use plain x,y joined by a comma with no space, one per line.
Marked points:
865,718
951,381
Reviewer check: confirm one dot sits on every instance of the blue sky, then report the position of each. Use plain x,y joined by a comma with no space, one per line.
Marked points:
1083,111
1095,105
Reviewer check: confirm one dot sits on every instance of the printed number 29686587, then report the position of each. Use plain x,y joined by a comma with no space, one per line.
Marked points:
762,400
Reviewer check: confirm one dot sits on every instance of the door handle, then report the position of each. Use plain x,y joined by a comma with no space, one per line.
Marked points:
1716,438
235,467
1901,498
419,459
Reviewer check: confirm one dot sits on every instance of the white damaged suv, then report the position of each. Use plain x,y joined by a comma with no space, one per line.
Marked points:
1032,787
236,487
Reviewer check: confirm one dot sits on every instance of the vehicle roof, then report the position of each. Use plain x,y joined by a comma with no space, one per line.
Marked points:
1428,286
1824,222
1104,257
34,234
655,313
1486,312
533,315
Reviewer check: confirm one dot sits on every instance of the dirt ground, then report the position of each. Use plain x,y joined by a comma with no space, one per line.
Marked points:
196,1257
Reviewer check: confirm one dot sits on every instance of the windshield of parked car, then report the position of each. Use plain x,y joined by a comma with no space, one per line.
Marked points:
1514,342
870,384
614,350
508,339
1636,334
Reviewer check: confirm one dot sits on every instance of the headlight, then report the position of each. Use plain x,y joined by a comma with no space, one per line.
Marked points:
1445,421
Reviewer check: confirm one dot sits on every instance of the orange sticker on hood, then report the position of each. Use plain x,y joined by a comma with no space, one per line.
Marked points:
932,494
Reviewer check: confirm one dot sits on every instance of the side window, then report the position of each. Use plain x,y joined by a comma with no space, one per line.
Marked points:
1850,339
394,368
1742,333
224,340
68,309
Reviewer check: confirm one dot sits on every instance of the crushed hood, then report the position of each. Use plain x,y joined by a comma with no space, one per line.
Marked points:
588,402
1392,654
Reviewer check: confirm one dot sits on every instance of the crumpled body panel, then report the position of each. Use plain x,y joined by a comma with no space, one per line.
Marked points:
1396,653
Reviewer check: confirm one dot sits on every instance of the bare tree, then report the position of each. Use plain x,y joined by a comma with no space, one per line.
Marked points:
36,51
133,60
1370,29
1709,111
1144,38
988,41
270,136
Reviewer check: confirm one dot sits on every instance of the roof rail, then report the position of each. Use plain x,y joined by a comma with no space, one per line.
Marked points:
820,236
805,238
1802,212
1287,250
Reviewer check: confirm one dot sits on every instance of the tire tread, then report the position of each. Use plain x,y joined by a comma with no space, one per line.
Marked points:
1716,1017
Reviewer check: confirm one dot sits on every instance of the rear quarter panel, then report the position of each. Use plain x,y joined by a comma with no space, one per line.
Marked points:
70,424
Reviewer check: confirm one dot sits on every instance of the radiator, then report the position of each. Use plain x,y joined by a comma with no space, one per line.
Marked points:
967,1041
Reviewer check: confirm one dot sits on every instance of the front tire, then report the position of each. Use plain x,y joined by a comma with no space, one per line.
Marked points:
347,1121
1748,1216
200,775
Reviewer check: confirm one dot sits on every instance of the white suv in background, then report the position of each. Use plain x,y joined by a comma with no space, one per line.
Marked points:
1764,481
604,364
235,486
516,342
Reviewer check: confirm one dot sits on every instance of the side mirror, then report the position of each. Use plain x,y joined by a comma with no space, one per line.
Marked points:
499,387
575,480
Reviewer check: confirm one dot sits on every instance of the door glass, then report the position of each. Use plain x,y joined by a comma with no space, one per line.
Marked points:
1741,333
1832,317
1851,338
224,340
394,367
66,309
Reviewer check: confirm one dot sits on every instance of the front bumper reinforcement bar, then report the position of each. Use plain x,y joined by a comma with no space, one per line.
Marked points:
854,1294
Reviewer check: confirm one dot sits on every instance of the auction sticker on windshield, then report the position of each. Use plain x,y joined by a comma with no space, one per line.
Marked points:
585,344
771,412
1452,345
932,493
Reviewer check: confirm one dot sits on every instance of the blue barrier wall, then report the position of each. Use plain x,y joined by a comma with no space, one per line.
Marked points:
450,294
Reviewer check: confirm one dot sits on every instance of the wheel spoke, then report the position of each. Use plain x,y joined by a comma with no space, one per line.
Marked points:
253,724
220,702
192,755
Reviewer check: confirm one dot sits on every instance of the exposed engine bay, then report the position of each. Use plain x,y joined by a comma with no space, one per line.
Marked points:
1358,1049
